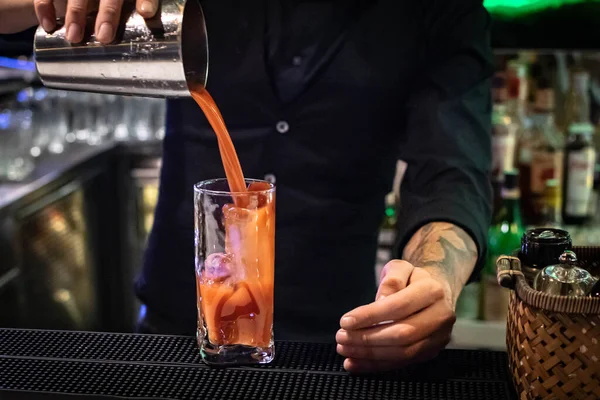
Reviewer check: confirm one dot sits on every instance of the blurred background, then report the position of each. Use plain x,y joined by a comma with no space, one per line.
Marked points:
78,189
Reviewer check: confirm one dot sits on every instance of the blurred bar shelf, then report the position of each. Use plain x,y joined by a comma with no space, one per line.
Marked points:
49,170
72,236
52,169
56,364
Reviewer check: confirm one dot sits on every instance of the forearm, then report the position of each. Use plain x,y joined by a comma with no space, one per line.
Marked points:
446,251
16,16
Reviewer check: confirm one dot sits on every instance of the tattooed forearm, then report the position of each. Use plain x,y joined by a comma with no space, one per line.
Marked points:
446,251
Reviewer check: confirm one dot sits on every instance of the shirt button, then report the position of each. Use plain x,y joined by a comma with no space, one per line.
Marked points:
270,178
296,61
282,127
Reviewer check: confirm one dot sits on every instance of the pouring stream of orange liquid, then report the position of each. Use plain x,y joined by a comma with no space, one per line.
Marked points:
242,312
231,163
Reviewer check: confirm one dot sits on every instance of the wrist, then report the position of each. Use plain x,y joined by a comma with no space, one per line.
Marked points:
446,252
452,286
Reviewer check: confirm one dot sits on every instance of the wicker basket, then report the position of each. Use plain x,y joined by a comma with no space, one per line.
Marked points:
552,341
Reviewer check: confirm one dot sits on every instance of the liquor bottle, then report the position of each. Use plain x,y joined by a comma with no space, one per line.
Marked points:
387,234
579,164
503,132
517,83
594,207
577,100
504,237
546,154
551,210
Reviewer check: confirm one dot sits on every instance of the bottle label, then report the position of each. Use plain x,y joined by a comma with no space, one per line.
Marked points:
545,165
503,151
580,181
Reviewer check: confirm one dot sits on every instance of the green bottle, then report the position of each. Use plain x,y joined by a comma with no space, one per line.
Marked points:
504,237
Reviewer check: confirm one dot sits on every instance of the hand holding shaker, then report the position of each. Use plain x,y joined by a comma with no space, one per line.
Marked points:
161,56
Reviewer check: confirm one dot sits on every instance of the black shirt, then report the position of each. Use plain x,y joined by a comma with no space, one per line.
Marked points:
325,96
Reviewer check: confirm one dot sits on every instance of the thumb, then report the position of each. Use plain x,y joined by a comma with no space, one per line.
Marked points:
147,8
394,277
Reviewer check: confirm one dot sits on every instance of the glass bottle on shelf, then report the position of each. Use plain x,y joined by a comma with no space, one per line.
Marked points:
504,238
546,154
594,207
518,90
577,100
551,206
503,132
579,164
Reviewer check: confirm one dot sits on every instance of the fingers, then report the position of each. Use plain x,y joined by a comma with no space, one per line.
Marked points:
357,366
398,306
46,14
146,8
394,277
409,331
371,359
108,20
75,20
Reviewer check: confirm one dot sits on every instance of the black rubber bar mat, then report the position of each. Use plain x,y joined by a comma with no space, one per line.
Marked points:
50,364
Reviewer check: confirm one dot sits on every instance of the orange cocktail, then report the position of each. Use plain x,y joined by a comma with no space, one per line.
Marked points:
235,250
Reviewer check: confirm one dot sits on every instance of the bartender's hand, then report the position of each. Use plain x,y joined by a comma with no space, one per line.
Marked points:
412,317
75,12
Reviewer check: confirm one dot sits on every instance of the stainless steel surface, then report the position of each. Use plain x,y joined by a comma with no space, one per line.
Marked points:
158,57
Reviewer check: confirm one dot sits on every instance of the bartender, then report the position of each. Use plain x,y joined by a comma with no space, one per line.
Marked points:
319,96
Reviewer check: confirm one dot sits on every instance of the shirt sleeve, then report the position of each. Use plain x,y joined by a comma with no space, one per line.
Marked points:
448,142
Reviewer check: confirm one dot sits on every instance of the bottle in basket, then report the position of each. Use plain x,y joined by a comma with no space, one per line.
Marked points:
541,247
565,278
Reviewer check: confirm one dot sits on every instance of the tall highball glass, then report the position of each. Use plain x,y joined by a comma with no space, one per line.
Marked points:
235,260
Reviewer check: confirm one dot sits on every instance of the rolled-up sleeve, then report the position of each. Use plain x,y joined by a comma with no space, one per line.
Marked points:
448,142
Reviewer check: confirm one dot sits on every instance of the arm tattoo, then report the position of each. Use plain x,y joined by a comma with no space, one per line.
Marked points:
446,251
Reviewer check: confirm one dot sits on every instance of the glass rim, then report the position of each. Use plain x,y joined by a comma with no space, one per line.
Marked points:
200,187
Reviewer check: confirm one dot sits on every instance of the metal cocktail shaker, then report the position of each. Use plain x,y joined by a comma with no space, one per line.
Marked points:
162,56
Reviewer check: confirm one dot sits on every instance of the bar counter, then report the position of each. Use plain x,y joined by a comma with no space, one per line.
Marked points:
58,364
